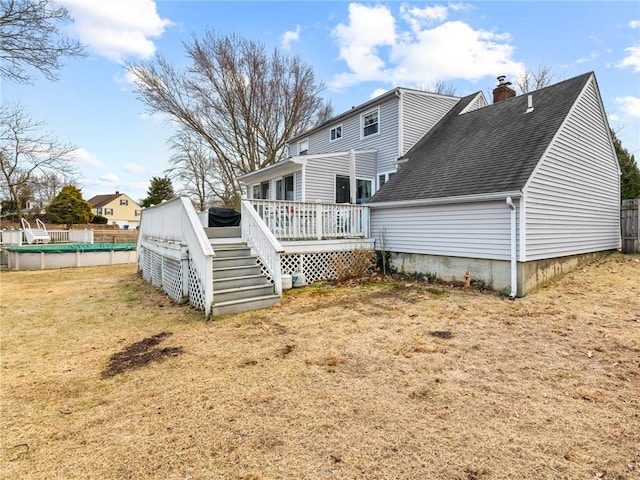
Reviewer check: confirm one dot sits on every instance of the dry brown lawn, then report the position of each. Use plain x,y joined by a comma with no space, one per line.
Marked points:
104,378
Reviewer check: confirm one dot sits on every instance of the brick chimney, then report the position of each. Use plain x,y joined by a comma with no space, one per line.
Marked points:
503,90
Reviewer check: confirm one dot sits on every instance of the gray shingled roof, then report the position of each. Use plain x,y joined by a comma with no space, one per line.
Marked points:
489,150
98,201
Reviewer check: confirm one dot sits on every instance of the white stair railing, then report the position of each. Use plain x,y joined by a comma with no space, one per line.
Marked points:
258,236
37,235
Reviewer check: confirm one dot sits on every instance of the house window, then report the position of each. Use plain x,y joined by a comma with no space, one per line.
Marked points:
108,211
384,178
343,190
98,211
370,123
363,190
261,191
137,213
124,202
303,147
336,133
284,188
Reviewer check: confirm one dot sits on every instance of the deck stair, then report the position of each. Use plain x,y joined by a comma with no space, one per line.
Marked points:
238,282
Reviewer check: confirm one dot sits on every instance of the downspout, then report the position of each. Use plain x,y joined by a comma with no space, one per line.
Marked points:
514,258
352,176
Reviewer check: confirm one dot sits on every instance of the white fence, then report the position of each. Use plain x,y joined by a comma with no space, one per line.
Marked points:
175,254
313,220
17,237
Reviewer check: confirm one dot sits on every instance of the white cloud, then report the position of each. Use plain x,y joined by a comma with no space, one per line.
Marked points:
630,106
592,56
377,92
134,168
84,157
109,178
117,28
632,60
634,24
427,50
289,37
126,79
156,117
418,18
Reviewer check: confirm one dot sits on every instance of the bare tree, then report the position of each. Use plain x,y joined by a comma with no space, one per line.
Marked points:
193,165
534,80
440,87
30,37
26,154
242,101
47,185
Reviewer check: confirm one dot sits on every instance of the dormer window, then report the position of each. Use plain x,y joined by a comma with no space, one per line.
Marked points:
336,133
370,123
303,147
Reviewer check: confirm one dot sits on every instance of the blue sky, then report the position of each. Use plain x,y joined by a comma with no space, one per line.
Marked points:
358,49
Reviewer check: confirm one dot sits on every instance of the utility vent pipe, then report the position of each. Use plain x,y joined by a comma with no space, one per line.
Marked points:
529,104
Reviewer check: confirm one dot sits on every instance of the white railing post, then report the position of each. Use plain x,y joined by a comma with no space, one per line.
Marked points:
319,220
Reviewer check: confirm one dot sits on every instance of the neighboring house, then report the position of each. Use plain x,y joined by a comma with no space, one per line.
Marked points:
118,208
35,207
515,193
346,159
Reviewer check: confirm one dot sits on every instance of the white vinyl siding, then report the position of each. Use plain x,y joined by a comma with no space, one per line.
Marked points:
320,174
473,230
572,200
421,112
386,142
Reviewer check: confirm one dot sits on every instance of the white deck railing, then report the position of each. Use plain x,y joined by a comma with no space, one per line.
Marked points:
313,220
176,222
268,248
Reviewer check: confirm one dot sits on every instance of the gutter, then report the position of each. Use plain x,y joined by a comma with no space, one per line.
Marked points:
514,259
444,200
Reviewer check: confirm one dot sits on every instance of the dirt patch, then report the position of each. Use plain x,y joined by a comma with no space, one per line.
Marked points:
444,334
139,354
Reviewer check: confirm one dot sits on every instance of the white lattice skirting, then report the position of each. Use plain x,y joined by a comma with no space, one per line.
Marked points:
167,272
315,266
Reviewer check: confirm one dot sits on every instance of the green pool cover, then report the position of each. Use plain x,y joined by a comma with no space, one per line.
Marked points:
72,247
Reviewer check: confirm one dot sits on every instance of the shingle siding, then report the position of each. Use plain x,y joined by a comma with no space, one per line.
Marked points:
473,230
572,199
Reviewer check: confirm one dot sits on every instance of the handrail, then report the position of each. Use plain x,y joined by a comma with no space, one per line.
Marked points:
313,220
256,233
41,225
176,221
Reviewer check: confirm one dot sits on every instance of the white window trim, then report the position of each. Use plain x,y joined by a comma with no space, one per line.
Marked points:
306,140
362,135
335,127
386,176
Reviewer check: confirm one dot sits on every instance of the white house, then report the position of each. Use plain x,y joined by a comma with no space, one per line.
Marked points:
512,193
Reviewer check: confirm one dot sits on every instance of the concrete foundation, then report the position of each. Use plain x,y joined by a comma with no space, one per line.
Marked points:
496,274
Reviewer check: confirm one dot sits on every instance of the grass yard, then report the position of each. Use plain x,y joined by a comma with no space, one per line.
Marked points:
104,378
